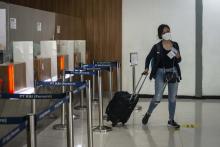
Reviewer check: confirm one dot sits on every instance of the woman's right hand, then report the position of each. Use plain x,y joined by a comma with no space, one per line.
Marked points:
145,72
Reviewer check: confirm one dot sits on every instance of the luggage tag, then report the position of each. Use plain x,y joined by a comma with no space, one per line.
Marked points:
172,53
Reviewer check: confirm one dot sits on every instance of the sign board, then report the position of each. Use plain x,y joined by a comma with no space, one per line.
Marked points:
133,58
39,26
13,23
58,29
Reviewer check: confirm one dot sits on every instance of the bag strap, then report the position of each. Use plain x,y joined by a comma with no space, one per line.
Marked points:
158,52
158,49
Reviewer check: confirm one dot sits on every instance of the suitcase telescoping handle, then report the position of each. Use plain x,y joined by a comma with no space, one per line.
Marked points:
142,83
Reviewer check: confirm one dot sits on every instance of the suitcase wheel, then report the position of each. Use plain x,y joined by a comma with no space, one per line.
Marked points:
114,124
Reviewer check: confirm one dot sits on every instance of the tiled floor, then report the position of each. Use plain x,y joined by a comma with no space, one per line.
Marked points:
203,114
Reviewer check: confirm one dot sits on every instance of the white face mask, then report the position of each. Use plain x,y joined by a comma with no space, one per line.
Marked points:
166,36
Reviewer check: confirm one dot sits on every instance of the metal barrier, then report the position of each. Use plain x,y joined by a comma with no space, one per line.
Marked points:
31,133
70,132
94,99
99,66
31,120
110,82
89,116
119,82
28,121
31,96
81,72
103,66
81,105
75,116
110,66
88,69
113,64
14,132
62,124
101,127
93,68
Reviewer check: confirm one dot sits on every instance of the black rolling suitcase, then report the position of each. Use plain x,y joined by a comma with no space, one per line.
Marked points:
122,104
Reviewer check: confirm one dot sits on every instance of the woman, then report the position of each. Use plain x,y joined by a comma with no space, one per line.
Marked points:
164,58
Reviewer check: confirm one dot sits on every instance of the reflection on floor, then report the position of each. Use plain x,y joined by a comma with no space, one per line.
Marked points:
202,114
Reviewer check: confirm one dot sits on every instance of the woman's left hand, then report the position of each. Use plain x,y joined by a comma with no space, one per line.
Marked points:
178,55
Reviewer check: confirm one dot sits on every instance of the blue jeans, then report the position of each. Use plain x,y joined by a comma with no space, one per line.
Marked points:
159,89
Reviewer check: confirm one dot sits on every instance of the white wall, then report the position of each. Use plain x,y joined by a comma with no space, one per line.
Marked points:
140,19
211,47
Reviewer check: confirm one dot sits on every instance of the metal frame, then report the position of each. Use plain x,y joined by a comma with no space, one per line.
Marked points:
62,125
81,105
101,128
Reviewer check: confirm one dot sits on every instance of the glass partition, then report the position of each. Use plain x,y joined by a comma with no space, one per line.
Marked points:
80,48
48,49
66,47
2,29
23,52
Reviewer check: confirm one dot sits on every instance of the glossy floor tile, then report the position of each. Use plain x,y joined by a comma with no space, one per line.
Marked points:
203,115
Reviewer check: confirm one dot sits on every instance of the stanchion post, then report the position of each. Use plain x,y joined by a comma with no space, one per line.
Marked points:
89,115
133,78
63,115
110,82
63,106
31,133
75,116
93,86
100,99
81,104
82,94
62,125
101,127
118,76
70,132
33,101
33,106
